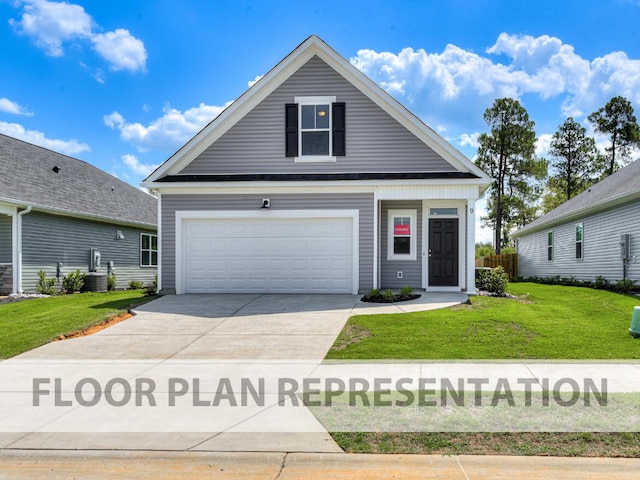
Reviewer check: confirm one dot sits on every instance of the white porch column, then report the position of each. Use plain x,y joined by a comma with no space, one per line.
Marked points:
471,247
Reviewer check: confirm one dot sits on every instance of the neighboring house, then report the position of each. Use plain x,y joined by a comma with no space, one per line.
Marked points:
582,236
316,181
55,209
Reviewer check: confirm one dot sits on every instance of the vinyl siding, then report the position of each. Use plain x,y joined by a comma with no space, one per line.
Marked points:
375,142
5,239
49,239
199,202
601,248
411,269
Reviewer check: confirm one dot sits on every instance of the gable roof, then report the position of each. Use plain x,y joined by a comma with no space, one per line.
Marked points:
621,187
312,46
77,188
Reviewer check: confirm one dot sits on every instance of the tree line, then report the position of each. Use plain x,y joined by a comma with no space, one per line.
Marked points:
524,187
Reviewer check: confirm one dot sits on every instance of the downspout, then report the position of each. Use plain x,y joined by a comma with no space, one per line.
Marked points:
17,268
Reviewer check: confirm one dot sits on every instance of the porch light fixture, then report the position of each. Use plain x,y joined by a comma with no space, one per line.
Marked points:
119,235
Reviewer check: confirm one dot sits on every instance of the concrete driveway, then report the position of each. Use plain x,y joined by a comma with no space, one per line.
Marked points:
213,335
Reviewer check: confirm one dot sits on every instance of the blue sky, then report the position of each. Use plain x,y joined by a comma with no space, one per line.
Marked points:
123,84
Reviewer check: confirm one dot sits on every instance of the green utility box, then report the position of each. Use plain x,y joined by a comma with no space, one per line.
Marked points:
634,330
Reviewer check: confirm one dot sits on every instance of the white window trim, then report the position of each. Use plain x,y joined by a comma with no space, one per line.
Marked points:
150,250
330,100
552,246
413,234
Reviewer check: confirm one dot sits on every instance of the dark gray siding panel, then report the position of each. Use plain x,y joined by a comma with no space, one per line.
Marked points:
375,142
357,201
5,239
49,239
601,249
411,270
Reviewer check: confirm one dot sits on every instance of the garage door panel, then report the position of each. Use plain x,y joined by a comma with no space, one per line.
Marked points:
295,255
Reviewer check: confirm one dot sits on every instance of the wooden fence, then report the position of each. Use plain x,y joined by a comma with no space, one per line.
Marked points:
508,261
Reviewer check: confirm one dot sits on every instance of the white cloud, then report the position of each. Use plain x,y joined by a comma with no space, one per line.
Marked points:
52,24
251,83
136,167
10,106
455,86
469,140
67,147
543,142
173,129
122,50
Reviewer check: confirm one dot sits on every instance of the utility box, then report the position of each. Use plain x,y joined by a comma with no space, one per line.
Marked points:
95,282
625,246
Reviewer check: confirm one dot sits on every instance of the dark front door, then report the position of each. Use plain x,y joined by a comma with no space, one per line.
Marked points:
443,252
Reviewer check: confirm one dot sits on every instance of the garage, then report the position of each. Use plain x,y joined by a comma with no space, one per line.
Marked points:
268,252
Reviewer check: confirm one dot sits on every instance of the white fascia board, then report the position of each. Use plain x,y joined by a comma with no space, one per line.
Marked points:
287,186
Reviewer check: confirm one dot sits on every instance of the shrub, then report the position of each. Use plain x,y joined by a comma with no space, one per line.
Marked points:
406,291
73,281
152,289
600,282
493,281
374,292
112,281
624,286
136,285
44,285
389,295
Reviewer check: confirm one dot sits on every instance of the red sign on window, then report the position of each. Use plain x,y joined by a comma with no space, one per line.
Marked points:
402,229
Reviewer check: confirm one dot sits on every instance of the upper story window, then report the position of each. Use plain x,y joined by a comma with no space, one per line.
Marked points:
315,129
148,250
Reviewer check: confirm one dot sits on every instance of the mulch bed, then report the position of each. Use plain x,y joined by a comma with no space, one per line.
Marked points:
379,298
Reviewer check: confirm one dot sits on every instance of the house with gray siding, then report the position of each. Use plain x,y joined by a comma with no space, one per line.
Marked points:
316,180
55,209
582,237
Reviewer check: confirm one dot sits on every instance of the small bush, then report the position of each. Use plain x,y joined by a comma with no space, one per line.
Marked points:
600,283
389,295
152,289
136,285
73,281
374,292
406,291
112,281
625,286
493,281
44,285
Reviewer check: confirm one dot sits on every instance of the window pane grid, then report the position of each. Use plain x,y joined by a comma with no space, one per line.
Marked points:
148,250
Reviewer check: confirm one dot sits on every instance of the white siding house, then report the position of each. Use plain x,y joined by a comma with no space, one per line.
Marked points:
582,237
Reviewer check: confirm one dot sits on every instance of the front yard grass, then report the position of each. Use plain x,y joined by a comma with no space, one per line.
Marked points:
544,322
30,323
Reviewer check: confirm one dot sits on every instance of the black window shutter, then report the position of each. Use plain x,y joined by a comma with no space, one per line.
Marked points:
291,129
338,129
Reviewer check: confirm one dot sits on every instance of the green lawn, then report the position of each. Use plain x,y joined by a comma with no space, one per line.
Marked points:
545,322
28,324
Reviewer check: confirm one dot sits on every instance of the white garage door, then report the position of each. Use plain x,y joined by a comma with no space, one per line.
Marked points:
268,255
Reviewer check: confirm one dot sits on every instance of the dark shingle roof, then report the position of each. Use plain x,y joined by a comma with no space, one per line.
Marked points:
78,188
621,187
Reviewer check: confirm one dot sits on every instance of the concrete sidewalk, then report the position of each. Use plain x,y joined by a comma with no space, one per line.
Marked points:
34,465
